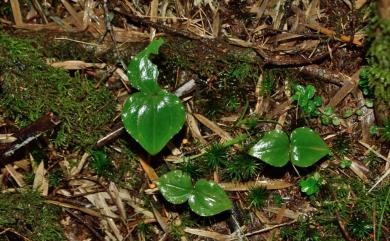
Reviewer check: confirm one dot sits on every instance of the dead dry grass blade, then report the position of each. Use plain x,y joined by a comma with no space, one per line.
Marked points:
114,193
76,170
245,186
269,228
18,177
77,64
349,84
213,126
88,211
209,234
15,6
374,151
77,21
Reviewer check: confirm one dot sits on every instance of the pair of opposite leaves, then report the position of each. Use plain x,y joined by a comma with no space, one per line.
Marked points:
152,116
303,148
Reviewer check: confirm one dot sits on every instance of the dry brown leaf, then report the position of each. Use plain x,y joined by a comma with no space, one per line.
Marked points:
41,184
18,177
150,172
7,138
286,213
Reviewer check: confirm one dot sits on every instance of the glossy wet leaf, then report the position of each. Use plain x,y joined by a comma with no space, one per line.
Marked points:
309,186
307,147
142,72
208,199
272,148
175,186
152,119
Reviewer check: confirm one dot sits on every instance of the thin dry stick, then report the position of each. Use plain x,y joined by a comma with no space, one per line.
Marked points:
270,228
373,151
380,180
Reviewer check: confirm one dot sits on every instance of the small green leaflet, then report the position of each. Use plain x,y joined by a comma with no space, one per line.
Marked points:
206,198
142,72
152,116
304,148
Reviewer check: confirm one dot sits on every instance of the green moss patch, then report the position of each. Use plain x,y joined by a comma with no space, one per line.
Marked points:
29,216
30,88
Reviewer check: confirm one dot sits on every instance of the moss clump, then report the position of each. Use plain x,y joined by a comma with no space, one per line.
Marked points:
30,88
28,215
377,73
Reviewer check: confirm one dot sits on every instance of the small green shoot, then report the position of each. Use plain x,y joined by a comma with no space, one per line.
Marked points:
345,163
278,199
304,148
152,116
310,185
206,198
329,117
257,197
100,163
383,131
382,214
242,167
216,155
306,99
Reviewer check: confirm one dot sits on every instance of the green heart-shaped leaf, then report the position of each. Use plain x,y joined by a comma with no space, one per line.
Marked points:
307,147
208,199
175,186
142,72
152,119
272,148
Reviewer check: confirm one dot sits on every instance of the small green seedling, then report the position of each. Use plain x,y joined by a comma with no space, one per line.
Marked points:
306,99
303,148
206,198
100,163
257,197
345,163
383,132
328,116
310,185
151,116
